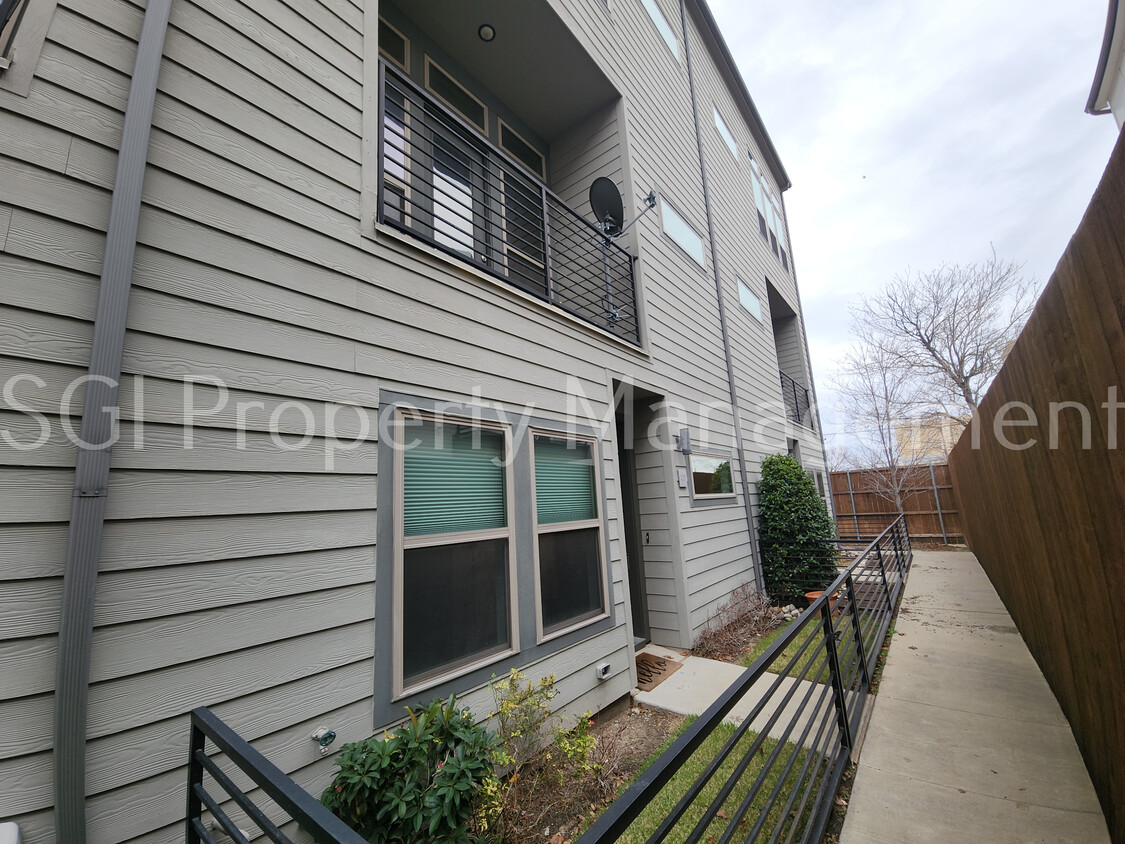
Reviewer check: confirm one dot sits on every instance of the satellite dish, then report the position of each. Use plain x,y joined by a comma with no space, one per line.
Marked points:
609,210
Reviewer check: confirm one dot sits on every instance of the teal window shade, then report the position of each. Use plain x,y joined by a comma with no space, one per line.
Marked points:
454,479
565,490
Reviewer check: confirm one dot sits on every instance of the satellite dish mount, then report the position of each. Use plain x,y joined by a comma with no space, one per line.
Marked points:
609,210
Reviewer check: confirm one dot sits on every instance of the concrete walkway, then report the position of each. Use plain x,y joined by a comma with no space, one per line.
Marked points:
966,742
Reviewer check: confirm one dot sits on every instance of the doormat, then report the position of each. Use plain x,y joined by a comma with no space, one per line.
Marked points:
653,670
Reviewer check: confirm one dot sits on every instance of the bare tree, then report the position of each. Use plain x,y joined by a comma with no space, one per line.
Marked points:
949,328
878,395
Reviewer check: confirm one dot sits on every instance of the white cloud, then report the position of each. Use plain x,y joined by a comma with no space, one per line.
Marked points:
917,133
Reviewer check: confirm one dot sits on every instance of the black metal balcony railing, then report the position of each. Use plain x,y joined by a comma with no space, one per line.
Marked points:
798,405
236,807
776,775
444,183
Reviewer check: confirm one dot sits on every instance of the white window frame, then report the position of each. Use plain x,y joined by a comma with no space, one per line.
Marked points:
744,291
402,543
711,496
563,527
662,26
725,133
667,210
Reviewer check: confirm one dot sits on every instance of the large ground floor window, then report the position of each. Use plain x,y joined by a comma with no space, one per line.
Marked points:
492,548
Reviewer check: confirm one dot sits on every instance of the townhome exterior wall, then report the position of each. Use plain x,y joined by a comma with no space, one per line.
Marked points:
240,573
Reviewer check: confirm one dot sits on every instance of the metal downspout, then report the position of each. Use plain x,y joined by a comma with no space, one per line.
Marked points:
99,419
754,554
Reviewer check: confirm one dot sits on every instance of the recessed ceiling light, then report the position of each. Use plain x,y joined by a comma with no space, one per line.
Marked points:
487,32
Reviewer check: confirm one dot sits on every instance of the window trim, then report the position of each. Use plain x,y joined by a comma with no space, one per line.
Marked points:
399,689
27,47
725,133
667,34
387,710
482,128
562,527
665,204
405,68
712,497
502,124
757,314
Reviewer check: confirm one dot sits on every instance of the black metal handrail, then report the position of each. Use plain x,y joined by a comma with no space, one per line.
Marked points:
445,183
798,404
810,712
313,818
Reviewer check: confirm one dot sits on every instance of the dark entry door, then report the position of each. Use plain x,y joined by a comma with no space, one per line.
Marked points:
638,603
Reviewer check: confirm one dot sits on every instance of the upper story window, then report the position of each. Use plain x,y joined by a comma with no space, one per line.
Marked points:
662,26
11,15
749,300
680,230
456,96
771,223
394,45
725,133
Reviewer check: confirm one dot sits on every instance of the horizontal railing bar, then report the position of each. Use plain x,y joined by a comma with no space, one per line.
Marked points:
426,99
229,826
244,802
324,827
736,775
203,832
865,609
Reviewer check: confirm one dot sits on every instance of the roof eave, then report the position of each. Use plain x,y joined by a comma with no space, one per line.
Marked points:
726,61
1096,103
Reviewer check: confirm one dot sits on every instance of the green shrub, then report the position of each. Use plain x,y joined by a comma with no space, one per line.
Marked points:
418,784
796,532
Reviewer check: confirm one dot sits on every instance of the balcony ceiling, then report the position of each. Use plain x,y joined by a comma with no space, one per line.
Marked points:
535,65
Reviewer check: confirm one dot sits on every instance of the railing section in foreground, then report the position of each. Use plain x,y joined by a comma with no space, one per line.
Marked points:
776,772
227,813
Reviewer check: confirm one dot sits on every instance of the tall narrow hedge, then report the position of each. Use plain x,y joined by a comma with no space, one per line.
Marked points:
796,532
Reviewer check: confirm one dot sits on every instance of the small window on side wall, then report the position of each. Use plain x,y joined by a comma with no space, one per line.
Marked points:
749,300
662,26
570,566
681,231
711,476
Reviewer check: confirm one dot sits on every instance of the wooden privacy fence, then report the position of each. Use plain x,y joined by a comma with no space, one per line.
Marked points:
929,503
1044,502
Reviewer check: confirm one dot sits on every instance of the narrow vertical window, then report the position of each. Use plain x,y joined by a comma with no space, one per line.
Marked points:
454,577
571,571
662,26
726,135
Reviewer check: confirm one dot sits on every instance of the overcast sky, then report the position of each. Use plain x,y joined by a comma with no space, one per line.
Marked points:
916,133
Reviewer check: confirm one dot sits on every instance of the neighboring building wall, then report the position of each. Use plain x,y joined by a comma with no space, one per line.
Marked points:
1044,518
240,574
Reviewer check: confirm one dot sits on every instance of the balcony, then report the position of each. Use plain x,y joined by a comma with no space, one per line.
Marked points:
444,183
798,405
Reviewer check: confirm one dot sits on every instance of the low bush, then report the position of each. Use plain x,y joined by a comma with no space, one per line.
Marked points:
417,784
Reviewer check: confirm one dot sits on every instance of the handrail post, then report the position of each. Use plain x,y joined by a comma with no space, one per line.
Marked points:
858,633
886,583
547,245
195,777
837,677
